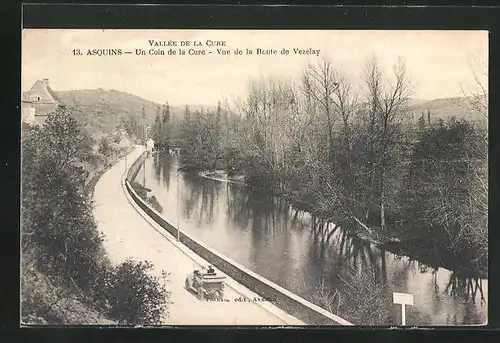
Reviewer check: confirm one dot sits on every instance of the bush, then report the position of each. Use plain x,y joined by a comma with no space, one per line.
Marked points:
135,297
360,299
60,237
105,146
45,300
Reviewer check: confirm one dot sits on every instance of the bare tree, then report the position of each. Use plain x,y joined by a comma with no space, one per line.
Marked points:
360,298
320,83
387,106
271,110
345,103
478,97
327,297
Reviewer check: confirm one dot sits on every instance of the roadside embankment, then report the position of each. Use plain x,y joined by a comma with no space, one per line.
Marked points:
130,233
281,298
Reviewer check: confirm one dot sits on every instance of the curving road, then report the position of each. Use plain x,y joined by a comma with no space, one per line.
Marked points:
129,234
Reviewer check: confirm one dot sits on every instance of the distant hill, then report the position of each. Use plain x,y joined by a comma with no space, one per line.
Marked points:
105,110
445,109
195,107
416,102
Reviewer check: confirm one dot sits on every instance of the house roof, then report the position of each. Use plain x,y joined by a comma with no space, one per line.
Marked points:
52,93
43,90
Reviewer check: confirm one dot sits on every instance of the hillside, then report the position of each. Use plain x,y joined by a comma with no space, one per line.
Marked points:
445,109
106,110
103,111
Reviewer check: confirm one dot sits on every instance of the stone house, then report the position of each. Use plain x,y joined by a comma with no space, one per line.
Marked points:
38,103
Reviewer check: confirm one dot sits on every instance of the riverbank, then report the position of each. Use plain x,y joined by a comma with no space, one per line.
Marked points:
253,228
130,233
399,242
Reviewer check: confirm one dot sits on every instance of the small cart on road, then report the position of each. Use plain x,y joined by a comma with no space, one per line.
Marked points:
206,284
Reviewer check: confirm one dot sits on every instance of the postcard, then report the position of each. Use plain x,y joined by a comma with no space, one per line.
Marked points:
254,177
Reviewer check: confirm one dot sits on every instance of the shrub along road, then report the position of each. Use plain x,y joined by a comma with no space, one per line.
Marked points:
128,234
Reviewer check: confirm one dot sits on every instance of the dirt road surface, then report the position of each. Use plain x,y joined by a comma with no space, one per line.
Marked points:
130,234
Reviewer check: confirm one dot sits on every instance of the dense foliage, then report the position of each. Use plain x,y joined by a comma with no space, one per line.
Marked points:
162,131
106,110
364,299
446,195
337,150
60,239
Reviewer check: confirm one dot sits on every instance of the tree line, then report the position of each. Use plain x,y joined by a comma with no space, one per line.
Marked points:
63,258
339,150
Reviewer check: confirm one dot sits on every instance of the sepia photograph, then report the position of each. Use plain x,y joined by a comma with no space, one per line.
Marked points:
254,177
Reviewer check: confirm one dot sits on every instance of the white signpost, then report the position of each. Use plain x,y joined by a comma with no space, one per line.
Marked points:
403,299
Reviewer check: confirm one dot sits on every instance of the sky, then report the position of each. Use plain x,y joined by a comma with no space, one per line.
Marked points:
440,63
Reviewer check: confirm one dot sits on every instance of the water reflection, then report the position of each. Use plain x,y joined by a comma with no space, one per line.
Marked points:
466,287
163,168
434,289
157,164
300,252
200,199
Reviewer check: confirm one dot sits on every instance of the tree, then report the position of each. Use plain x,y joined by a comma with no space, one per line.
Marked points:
421,122
478,97
191,141
361,298
133,127
446,190
166,126
57,222
166,113
59,236
135,297
478,101
320,82
105,147
157,126
270,112
143,134
388,103
345,103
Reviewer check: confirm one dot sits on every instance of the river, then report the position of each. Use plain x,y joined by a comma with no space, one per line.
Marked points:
263,233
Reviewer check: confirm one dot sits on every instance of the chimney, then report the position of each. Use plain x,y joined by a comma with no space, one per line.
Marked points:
428,117
45,81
